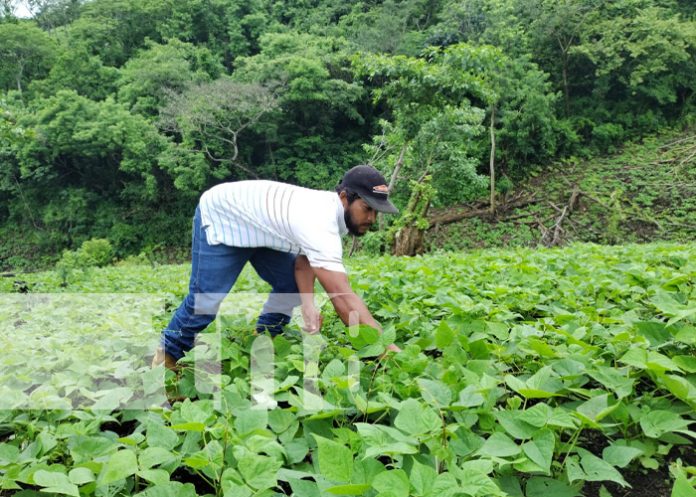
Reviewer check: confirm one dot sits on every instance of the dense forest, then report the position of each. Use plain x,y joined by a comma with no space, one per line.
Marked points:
116,114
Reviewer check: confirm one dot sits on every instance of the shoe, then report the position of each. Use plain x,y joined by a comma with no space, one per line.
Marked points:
161,357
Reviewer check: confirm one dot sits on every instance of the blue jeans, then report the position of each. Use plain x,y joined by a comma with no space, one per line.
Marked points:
214,270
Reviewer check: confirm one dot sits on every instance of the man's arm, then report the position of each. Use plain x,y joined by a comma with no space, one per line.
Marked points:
304,277
349,307
344,299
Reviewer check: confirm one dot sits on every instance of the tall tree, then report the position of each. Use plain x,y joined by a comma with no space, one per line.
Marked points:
154,73
26,52
319,132
75,68
51,14
210,120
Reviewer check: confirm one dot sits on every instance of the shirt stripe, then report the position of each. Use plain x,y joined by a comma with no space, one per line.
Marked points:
276,215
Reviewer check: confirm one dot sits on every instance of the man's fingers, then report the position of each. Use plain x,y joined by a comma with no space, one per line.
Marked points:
312,322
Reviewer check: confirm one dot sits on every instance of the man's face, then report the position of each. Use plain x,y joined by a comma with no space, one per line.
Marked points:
359,217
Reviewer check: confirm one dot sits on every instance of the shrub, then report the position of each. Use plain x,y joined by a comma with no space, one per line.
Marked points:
96,252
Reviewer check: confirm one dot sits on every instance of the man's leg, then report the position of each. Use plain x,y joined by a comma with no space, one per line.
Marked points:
278,269
214,270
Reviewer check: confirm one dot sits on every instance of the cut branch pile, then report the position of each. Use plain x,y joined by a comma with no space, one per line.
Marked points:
478,210
681,152
554,236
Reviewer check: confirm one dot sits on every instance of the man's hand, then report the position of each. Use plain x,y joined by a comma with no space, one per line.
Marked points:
312,318
393,348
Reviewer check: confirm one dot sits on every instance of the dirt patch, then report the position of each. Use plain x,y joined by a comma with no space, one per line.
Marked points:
644,482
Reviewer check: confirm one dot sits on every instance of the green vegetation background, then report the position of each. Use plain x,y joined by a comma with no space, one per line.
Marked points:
116,114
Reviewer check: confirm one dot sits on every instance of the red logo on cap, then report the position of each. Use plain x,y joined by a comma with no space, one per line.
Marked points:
380,189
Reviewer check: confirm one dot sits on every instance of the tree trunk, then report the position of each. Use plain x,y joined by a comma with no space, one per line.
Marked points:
19,76
408,238
566,93
392,180
564,61
492,160
397,169
409,241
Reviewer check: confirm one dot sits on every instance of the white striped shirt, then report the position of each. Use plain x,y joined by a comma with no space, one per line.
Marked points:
276,215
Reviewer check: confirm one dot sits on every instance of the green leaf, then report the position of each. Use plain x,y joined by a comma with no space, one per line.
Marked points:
296,450
615,379
596,469
654,331
110,400
680,387
540,449
620,455
80,476
362,336
499,445
161,436
648,359
394,481
685,362
422,478
435,392
382,440
446,485
349,489
366,469
190,426
197,460
669,306
682,488
335,460
154,476
538,415
444,335
83,448
120,465
169,489
259,472
470,396
547,487
211,457
152,456
542,385
58,483
417,419
603,492
686,334
595,409
8,454
305,488
511,423
196,411
474,479
657,423
510,484
250,420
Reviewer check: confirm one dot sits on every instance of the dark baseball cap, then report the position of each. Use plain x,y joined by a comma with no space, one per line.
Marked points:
371,186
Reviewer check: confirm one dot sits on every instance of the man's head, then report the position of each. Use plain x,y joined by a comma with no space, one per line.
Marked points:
363,192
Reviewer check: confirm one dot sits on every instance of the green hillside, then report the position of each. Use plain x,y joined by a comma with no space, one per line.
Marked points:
116,115
645,191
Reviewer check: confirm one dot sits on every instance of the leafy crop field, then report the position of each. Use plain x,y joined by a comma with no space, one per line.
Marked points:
525,373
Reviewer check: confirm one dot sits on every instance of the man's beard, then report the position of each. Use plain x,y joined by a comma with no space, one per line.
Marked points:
352,227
